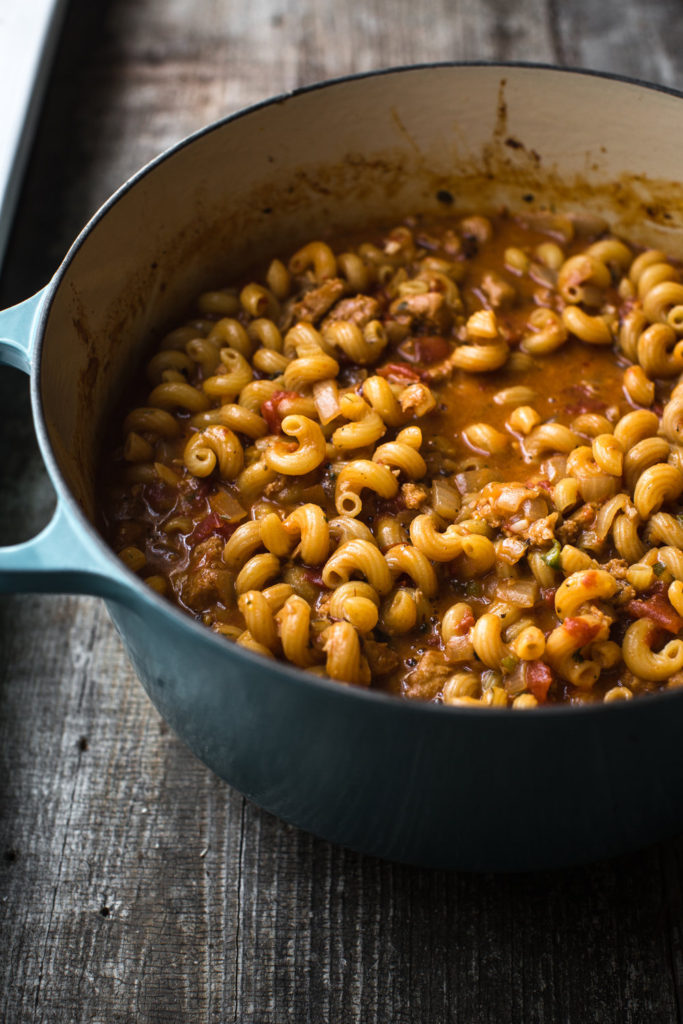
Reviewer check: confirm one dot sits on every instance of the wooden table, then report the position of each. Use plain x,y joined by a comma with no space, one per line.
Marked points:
134,885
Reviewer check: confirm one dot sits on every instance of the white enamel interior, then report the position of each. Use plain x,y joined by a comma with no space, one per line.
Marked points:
338,157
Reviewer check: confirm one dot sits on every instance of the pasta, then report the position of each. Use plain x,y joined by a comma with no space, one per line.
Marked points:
445,461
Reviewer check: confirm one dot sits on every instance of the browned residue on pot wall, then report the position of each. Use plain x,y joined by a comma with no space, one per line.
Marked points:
198,236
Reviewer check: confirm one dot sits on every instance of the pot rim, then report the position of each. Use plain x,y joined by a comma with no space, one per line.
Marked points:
292,674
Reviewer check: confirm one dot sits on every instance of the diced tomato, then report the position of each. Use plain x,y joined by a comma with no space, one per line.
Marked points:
428,349
587,401
432,349
538,680
397,373
200,489
270,409
582,631
159,495
548,596
390,506
314,576
465,624
589,406
659,610
209,525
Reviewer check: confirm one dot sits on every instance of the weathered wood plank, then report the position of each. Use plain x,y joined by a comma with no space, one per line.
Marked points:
134,885
637,39
447,947
104,837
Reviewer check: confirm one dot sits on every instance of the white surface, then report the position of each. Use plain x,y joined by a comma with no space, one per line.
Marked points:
28,34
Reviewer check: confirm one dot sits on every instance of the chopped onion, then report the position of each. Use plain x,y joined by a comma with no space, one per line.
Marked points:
326,398
515,682
519,525
512,496
597,488
459,649
522,593
445,500
224,504
489,678
554,468
168,475
510,550
535,508
473,480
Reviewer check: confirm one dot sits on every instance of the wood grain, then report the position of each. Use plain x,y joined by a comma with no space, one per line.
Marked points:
134,886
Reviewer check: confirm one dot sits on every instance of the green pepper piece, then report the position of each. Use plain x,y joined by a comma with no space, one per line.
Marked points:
552,557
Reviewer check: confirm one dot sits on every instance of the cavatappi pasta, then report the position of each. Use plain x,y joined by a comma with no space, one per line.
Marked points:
446,461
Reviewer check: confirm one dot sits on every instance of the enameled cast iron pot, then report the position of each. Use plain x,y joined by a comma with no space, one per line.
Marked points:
466,788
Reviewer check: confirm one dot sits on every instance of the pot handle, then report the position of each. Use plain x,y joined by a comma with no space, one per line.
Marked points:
62,558
18,334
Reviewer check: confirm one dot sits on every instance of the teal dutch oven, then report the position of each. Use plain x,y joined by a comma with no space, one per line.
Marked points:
470,788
